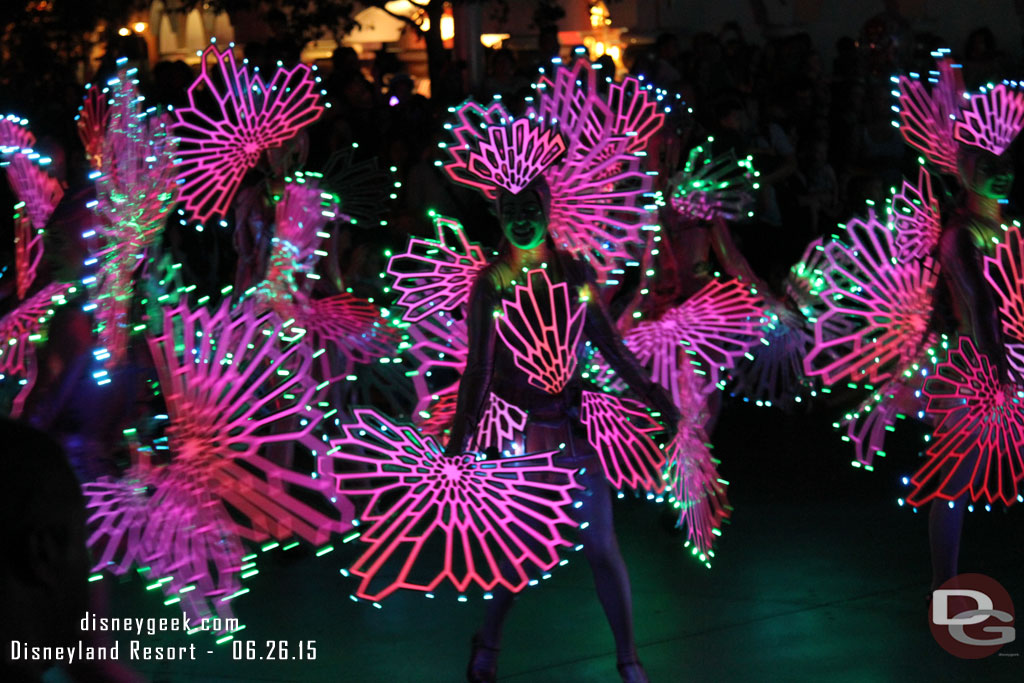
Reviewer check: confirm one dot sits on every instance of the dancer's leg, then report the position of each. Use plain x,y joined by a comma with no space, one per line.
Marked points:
945,526
601,548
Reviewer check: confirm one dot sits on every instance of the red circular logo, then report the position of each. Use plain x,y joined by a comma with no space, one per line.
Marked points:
971,616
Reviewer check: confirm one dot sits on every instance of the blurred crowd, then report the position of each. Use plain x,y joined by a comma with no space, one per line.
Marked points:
822,135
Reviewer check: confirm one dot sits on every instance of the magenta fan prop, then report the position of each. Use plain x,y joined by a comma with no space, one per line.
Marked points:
773,372
889,300
696,489
620,431
25,170
91,123
977,444
20,330
992,119
543,328
436,275
352,326
1005,272
928,118
713,329
438,348
714,187
180,537
231,389
915,215
135,192
249,116
435,518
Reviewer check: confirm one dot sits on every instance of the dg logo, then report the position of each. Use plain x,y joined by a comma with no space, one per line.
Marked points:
971,616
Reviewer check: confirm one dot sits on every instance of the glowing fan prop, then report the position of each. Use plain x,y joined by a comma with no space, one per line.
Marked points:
501,426
28,252
915,214
928,119
489,522
542,328
1005,272
352,325
620,431
514,154
439,348
361,185
715,327
977,444
992,119
890,301
155,517
774,371
19,331
709,187
230,390
248,117
91,123
135,192
695,488
436,275
29,181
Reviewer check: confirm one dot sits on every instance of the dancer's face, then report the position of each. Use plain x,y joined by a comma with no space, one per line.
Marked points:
522,219
989,175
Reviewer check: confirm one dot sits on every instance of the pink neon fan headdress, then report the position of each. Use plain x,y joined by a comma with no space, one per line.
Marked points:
249,117
992,119
599,194
929,117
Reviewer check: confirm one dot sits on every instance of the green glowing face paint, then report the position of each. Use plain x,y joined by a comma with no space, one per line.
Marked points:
522,219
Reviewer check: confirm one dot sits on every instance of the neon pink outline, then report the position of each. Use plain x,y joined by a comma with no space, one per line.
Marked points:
620,431
915,215
890,301
694,485
436,275
91,122
542,329
992,119
230,390
1005,273
512,156
158,517
928,119
28,252
977,443
440,344
250,117
717,325
18,359
30,183
496,520
501,426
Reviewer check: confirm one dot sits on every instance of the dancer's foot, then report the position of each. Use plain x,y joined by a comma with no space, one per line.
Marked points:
632,671
483,662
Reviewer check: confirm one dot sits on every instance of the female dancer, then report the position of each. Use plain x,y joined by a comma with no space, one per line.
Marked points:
553,422
971,233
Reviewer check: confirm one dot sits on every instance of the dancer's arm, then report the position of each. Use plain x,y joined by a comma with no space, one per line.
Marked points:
484,299
972,296
600,330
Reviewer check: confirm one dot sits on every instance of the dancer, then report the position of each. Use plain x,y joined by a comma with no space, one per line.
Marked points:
553,418
971,233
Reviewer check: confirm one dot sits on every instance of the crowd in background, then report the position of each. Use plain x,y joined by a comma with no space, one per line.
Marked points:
821,135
